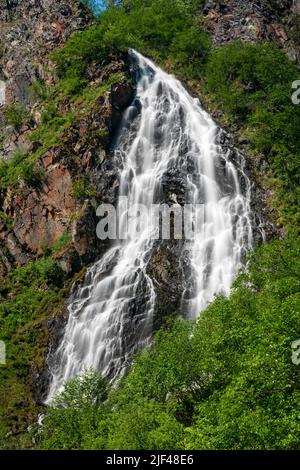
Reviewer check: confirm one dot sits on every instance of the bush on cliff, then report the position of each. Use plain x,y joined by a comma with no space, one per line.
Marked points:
20,169
15,115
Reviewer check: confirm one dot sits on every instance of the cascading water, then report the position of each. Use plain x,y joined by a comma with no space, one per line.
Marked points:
111,316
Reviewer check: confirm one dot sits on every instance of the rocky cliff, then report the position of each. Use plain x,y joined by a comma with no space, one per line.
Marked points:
29,32
56,166
35,214
260,20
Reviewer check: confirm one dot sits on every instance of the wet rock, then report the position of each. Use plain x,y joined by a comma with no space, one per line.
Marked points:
167,273
173,186
84,233
69,261
121,96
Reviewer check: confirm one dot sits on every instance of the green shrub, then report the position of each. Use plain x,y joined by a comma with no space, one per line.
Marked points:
20,168
15,115
44,270
38,90
252,83
226,381
75,414
62,242
82,189
189,51
6,219
158,28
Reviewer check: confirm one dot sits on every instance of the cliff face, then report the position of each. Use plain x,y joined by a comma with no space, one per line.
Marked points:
29,31
36,214
261,20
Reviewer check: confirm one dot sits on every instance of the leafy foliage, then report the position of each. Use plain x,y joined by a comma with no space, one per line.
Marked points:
20,169
29,295
76,413
82,189
158,28
252,83
15,115
224,382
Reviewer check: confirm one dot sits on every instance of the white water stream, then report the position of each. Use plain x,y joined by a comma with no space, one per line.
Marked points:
111,316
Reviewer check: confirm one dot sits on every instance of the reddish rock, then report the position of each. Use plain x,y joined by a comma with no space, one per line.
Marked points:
47,159
84,232
41,218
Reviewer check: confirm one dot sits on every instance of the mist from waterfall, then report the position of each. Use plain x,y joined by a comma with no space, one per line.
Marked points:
111,315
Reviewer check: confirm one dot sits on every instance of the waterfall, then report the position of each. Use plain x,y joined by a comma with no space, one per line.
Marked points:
111,315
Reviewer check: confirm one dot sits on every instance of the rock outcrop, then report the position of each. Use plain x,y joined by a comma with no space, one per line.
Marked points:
30,31
259,20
